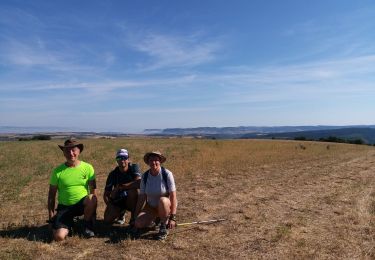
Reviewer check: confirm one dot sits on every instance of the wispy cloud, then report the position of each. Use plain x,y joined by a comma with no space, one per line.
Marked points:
169,51
307,82
339,35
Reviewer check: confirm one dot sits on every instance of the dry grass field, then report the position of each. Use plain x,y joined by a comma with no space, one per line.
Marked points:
281,199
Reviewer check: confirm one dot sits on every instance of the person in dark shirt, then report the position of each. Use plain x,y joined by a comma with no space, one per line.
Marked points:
122,188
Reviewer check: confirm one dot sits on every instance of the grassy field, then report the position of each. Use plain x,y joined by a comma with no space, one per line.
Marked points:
281,199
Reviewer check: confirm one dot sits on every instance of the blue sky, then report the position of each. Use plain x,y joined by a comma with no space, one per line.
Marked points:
131,65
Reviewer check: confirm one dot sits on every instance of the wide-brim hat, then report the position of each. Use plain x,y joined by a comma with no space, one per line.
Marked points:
156,153
70,143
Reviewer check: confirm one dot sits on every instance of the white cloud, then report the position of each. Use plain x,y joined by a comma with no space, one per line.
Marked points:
167,51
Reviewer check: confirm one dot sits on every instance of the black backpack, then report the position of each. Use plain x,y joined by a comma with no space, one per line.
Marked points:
164,175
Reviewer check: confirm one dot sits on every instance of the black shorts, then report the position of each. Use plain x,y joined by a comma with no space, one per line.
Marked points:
65,214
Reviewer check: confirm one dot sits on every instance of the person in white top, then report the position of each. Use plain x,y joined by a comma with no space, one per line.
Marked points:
157,198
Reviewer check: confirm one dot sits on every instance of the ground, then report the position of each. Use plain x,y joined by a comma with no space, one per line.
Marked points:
280,199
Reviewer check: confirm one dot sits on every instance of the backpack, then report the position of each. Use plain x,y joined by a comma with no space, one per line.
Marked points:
164,175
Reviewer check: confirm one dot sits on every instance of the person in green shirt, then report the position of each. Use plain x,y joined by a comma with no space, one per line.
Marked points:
75,186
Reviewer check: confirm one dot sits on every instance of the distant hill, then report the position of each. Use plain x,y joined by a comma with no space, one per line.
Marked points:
241,130
365,134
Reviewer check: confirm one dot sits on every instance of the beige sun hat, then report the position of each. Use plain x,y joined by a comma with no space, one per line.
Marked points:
156,153
70,143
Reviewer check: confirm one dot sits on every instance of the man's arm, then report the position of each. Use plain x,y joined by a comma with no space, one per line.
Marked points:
51,201
92,187
131,185
173,199
106,197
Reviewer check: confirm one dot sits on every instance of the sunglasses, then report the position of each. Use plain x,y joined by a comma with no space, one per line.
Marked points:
121,158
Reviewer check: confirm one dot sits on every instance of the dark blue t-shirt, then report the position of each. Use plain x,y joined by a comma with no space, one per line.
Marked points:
116,177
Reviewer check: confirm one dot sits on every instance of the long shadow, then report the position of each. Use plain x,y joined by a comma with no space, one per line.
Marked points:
118,233
31,233
114,233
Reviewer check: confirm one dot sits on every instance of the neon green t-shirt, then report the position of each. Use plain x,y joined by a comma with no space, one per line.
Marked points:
72,182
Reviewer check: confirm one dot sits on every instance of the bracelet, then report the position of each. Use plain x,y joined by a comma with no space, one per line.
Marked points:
172,217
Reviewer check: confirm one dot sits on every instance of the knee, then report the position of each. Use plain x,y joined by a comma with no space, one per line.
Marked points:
138,223
92,200
164,201
59,235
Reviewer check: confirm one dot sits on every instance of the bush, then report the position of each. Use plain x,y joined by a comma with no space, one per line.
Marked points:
24,139
356,141
41,137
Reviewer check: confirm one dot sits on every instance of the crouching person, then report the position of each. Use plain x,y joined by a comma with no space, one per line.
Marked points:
74,182
121,190
157,199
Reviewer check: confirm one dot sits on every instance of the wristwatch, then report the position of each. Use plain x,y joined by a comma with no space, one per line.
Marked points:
172,217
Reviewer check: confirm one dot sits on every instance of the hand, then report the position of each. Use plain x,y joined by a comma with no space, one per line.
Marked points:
171,224
51,214
113,193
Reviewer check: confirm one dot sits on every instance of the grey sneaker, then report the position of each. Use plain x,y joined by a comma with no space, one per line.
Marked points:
88,233
163,233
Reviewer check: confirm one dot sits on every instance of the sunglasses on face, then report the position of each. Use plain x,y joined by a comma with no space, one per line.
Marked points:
122,158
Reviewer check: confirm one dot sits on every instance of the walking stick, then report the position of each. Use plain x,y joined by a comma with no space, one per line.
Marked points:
201,222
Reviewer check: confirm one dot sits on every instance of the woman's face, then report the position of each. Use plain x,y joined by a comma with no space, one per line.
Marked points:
154,162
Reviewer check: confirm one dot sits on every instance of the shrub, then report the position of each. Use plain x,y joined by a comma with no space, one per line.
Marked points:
41,137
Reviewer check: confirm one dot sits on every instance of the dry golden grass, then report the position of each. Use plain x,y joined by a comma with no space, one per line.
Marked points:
282,199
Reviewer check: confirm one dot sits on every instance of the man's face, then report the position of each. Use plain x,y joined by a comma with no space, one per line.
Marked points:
71,154
122,162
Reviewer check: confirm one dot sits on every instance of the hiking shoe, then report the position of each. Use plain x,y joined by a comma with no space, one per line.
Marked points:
120,221
88,233
163,233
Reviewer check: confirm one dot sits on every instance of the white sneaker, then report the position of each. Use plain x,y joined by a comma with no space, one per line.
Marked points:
120,221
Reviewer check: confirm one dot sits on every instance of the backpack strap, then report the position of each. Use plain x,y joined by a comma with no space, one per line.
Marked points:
164,176
145,176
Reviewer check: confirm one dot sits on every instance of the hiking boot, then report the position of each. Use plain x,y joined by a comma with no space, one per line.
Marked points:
163,232
88,233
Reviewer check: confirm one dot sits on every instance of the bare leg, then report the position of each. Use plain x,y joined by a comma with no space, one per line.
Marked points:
90,204
131,202
111,213
146,217
164,209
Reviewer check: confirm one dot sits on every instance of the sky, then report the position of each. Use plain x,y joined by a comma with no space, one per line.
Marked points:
133,65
